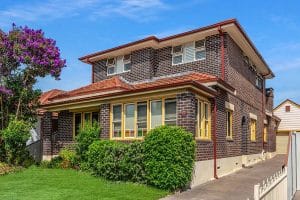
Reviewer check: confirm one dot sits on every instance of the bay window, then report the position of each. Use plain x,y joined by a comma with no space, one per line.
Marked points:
135,119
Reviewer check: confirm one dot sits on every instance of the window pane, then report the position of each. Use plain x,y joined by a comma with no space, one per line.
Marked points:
116,129
156,117
127,66
117,113
170,112
141,119
206,111
77,123
129,120
87,117
200,55
95,117
177,59
111,70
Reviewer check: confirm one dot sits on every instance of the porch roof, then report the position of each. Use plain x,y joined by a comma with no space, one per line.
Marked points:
118,86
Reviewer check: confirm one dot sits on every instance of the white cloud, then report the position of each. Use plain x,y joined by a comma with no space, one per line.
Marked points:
138,10
56,9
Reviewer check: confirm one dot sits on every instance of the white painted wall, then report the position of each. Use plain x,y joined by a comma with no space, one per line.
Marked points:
35,132
289,120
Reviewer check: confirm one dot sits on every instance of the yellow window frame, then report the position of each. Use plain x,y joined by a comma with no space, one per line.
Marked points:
265,133
148,101
253,130
203,123
82,119
229,129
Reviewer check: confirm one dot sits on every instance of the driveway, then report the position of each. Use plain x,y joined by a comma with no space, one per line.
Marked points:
236,186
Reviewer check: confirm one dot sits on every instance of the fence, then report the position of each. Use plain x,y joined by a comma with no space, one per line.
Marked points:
272,188
35,150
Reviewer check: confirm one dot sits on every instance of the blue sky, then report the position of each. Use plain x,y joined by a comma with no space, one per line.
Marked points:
85,26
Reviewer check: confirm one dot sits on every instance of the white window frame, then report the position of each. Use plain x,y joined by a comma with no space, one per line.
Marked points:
200,49
126,62
174,54
111,66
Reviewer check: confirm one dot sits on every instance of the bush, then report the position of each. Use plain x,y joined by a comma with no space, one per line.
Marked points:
2,150
54,162
69,158
15,136
87,135
169,157
6,169
132,162
105,159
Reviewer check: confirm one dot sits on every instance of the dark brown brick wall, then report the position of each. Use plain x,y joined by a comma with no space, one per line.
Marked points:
104,120
46,133
148,62
142,66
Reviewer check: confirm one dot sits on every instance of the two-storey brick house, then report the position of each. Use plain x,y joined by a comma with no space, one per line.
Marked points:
211,81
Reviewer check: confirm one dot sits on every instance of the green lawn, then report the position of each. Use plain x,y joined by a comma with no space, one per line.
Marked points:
57,184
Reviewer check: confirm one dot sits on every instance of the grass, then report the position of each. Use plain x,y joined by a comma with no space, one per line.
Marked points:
57,184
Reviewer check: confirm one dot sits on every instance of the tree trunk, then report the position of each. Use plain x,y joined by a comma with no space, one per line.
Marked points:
21,96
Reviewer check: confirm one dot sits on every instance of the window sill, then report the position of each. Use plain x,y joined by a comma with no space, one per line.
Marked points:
203,139
127,139
118,73
173,64
229,139
253,141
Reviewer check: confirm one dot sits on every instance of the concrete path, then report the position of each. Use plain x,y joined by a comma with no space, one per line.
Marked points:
297,196
236,186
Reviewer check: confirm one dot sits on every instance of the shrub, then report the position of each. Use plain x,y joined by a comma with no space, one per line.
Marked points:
169,157
6,169
55,162
2,150
69,158
132,162
105,159
87,135
15,136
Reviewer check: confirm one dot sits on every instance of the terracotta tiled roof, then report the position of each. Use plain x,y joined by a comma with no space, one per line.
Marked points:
117,85
114,83
49,94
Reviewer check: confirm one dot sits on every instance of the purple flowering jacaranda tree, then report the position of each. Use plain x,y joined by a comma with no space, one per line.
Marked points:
27,54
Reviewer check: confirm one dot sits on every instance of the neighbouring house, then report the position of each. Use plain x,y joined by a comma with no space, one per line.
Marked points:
289,113
210,81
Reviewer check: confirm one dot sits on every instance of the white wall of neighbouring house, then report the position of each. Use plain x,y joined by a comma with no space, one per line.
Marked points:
35,134
290,121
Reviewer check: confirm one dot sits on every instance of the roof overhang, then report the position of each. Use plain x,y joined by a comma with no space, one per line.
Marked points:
94,100
232,27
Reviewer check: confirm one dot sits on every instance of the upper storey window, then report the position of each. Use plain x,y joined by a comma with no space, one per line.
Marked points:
188,52
259,82
118,65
